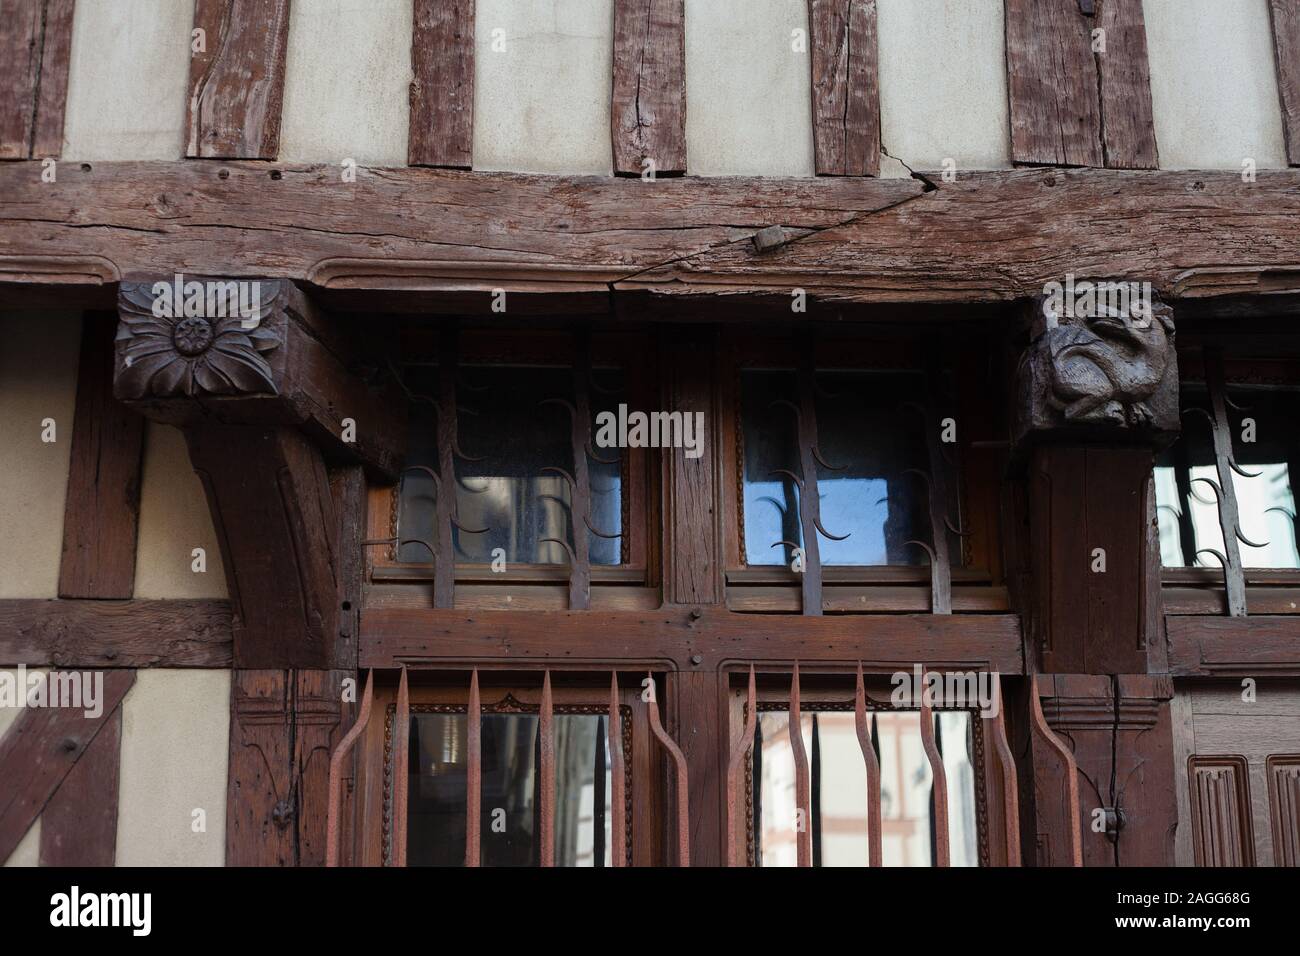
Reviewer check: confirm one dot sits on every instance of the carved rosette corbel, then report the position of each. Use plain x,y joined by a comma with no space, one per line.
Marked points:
1100,366
165,350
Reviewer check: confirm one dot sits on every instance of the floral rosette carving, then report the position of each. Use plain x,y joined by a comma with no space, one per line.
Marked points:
189,355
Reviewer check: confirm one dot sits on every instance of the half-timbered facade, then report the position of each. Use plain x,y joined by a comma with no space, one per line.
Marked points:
579,432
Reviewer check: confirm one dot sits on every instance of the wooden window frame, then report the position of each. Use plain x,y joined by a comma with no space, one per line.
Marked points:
511,690
1273,363
978,582
630,585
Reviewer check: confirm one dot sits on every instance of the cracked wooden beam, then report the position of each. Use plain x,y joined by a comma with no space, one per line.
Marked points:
441,233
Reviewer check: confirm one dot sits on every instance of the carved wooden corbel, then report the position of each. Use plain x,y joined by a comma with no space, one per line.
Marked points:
268,392
1100,365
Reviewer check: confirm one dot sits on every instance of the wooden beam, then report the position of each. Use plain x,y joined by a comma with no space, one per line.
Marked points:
282,364
442,93
35,52
692,536
1285,17
677,636
283,726
86,634
1222,646
269,495
102,506
41,748
237,81
79,824
1079,84
648,107
845,87
1193,234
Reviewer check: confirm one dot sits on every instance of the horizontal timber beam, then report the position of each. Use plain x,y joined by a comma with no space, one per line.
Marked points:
92,633
689,639
987,237
1221,646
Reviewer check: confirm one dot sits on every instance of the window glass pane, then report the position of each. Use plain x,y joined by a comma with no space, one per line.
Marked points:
508,821
840,823
872,441
1188,511
506,424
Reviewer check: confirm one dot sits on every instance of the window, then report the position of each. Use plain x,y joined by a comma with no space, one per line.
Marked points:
1255,429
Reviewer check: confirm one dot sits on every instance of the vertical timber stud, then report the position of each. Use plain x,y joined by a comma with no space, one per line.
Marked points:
35,51
692,558
1079,84
102,508
236,85
1285,16
442,93
845,87
648,105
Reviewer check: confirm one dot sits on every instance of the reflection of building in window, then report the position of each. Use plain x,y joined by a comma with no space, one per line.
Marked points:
905,790
1187,506
436,828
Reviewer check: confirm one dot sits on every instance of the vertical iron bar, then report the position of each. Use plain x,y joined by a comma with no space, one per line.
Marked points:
1229,519
1007,769
474,774
444,574
757,796
816,792
546,775
618,795
401,768
809,499
802,797
340,754
598,798
740,747
683,793
872,761
939,787
580,506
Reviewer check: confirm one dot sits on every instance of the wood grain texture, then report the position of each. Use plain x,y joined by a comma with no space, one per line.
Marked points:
1083,499
1079,99
40,749
283,725
79,824
35,54
270,500
83,634
102,508
1128,132
442,93
1221,646
845,87
1052,85
648,106
1285,16
424,231
679,635
236,85
692,545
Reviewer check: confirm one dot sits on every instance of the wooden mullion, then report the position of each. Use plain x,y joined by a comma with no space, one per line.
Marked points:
102,506
648,105
236,85
845,87
1285,18
809,498
444,581
442,92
